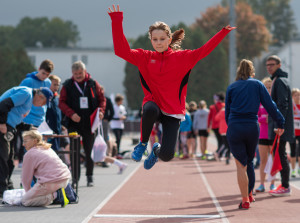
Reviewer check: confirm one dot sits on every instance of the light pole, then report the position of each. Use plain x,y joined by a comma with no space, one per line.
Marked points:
232,43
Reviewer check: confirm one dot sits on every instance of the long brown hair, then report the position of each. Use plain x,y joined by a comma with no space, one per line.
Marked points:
177,36
245,70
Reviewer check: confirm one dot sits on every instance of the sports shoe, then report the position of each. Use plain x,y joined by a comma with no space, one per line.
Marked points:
138,152
261,188
251,198
122,168
280,192
272,187
90,182
152,158
293,173
244,206
62,197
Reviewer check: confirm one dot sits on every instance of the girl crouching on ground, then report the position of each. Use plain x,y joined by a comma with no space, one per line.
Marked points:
51,173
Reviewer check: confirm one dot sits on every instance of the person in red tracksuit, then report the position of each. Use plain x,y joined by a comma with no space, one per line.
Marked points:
213,123
164,76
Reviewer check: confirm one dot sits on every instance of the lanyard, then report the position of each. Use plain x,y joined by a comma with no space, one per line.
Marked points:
79,89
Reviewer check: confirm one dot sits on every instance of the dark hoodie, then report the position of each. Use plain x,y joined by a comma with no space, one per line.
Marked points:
281,95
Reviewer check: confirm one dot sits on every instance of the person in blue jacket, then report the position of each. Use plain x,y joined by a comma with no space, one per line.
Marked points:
38,79
185,129
243,98
36,115
15,104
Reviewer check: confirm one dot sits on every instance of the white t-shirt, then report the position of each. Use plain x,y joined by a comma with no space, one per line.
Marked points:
119,112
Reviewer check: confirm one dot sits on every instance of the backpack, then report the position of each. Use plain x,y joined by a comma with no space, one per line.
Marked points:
71,195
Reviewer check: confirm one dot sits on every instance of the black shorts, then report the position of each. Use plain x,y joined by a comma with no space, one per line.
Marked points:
265,142
203,133
191,135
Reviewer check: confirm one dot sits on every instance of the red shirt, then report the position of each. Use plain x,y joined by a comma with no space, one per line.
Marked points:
220,117
213,111
296,109
163,76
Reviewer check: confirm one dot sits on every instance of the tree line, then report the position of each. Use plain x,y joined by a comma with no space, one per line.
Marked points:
30,32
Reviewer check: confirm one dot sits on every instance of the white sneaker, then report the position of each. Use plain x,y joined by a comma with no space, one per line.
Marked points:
122,168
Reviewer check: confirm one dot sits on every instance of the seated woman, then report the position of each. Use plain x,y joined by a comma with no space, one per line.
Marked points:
51,173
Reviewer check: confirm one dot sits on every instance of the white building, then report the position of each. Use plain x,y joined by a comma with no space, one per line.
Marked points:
102,64
290,57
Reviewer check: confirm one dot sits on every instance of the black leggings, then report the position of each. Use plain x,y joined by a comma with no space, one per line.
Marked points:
219,139
285,172
170,126
295,147
118,134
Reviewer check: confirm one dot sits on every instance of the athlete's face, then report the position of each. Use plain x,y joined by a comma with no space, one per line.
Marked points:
160,40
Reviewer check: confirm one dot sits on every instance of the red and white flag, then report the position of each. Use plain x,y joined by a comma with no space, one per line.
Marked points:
95,120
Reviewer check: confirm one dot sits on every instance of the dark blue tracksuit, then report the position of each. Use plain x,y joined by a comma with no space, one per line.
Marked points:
243,98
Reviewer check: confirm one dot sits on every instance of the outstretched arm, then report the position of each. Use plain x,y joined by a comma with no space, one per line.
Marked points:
198,54
121,46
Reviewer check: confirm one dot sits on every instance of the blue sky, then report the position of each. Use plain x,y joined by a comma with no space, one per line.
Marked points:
94,24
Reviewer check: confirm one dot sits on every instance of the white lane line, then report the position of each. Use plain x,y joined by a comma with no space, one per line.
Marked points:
153,216
98,208
211,193
294,185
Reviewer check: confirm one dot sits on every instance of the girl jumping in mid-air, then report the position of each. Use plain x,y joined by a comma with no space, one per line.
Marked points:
164,76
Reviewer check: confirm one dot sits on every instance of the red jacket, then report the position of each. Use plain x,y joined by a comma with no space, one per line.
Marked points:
220,117
163,76
213,110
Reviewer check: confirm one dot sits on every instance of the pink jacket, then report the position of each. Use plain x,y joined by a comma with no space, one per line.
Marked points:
263,123
45,165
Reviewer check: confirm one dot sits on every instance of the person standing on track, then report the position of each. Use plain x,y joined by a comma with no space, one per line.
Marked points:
243,98
164,76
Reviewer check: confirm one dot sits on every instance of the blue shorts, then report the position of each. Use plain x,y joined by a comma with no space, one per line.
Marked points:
242,139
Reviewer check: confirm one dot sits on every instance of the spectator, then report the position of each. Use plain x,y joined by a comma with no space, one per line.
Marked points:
200,126
38,79
184,130
295,145
53,114
80,96
36,115
243,98
117,122
191,140
108,115
220,117
281,95
264,144
15,104
43,163
213,111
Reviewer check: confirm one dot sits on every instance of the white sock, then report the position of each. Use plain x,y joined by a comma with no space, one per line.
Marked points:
118,163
